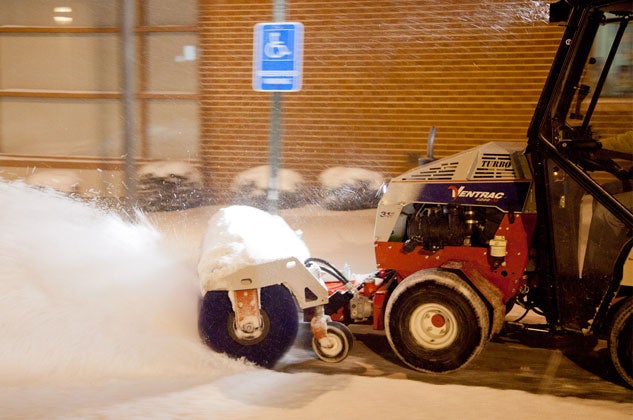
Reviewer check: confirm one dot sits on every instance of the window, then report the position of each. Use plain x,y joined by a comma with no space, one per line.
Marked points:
619,83
60,79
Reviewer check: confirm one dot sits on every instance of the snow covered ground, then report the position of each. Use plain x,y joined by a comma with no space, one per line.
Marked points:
98,320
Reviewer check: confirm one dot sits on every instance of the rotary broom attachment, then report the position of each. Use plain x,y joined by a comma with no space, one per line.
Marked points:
254,285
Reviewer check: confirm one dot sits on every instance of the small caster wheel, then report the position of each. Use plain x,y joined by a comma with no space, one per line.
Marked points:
341,339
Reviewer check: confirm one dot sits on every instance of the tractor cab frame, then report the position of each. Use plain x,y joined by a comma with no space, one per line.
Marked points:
583,195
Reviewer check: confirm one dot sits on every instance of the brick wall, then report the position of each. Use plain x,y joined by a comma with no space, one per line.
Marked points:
377,76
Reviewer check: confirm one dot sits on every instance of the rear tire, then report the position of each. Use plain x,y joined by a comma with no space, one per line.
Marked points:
281,323
620,342
436,326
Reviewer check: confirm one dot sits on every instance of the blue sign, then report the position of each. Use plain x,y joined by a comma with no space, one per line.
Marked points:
278,57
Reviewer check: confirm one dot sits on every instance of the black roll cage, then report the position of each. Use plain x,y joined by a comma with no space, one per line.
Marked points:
549,125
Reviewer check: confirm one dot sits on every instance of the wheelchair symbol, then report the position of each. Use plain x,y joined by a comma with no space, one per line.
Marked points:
275,48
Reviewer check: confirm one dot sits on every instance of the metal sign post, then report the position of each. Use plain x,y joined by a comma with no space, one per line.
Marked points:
277,68
128,17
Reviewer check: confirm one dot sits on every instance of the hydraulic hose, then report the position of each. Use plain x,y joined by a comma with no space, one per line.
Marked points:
328,268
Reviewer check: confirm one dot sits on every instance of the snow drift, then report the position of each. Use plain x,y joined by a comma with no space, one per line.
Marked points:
250,187
344,188
169,185
60,180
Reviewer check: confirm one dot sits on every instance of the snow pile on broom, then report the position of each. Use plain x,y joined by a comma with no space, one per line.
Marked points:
241,236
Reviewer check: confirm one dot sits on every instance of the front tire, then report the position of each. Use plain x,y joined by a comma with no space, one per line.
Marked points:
620,342
436,326
342,340
281,323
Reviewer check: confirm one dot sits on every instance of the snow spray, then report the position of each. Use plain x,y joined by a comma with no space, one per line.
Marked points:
85,293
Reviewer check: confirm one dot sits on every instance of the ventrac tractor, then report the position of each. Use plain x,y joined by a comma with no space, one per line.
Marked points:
460,240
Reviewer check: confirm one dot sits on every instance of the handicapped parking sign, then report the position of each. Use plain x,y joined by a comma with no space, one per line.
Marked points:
278,57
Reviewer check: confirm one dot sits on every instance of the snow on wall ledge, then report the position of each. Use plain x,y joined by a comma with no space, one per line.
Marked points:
241,236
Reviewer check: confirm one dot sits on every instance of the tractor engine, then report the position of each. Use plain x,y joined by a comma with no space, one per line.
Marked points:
435,226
